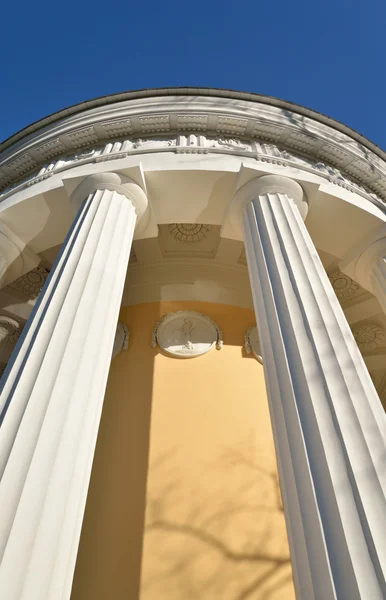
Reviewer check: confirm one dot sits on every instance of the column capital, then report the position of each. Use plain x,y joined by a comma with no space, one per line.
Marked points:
113,182
361,259
261,186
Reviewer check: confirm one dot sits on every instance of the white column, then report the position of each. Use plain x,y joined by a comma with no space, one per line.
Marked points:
367,265
53,392
329,426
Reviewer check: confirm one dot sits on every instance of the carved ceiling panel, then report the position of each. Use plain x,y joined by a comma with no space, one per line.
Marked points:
189,240
31,283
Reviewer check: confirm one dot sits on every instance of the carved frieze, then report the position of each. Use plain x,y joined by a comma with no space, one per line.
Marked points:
192,122
227,124
199,144
186,334
117,128
155,123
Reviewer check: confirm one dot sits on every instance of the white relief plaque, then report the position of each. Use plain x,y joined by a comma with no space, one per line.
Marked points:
186,334
252,343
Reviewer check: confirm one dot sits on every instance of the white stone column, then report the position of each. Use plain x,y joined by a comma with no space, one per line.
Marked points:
52,394
366,264
328,423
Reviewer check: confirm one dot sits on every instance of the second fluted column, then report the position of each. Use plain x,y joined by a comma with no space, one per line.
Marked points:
328,423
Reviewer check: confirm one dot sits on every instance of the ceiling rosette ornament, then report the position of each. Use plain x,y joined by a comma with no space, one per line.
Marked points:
10,330
32,282
344,287
369,337
188,233
186,334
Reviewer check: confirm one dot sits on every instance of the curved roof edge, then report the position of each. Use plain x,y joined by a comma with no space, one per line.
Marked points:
193,91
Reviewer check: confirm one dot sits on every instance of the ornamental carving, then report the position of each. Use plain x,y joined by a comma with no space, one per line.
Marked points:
200,144
188,233
343,285
121,340
10,330
31,283
369,337
186,334
252,343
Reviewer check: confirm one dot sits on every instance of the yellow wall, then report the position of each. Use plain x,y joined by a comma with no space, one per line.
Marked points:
214,525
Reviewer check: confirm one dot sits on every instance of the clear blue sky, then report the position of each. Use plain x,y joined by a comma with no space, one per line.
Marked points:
327,55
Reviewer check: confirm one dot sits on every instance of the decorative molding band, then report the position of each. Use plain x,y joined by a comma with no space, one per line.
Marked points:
353,178
252,343
186,333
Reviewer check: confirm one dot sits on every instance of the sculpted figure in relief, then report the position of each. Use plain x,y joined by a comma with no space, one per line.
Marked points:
186,330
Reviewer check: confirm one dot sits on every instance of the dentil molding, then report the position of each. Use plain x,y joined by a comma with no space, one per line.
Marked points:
186,334
196,144
193,121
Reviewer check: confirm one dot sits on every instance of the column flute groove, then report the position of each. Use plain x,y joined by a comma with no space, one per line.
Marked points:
329,426
49,432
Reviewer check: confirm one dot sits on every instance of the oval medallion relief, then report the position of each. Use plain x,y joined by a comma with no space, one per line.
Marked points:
186,334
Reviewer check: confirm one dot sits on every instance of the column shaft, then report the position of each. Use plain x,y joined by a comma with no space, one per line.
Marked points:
328,423
52,399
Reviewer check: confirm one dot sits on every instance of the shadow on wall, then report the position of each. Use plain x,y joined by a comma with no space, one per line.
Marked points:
220,546
109,556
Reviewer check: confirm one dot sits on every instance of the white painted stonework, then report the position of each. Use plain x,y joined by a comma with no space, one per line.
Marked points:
186,334
252,343
195,195
121,340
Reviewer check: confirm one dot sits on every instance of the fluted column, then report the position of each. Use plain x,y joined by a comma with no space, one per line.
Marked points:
328,423
367,265
52,393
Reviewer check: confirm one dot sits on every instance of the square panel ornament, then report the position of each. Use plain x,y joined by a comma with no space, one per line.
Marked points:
186,334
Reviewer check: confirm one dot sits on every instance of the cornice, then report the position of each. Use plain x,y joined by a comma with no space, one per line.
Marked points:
192,91
263,151
135,119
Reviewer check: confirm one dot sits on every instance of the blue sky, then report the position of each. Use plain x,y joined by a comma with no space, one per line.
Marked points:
328,56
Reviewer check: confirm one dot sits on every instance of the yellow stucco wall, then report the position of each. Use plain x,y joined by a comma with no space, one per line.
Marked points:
214,525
